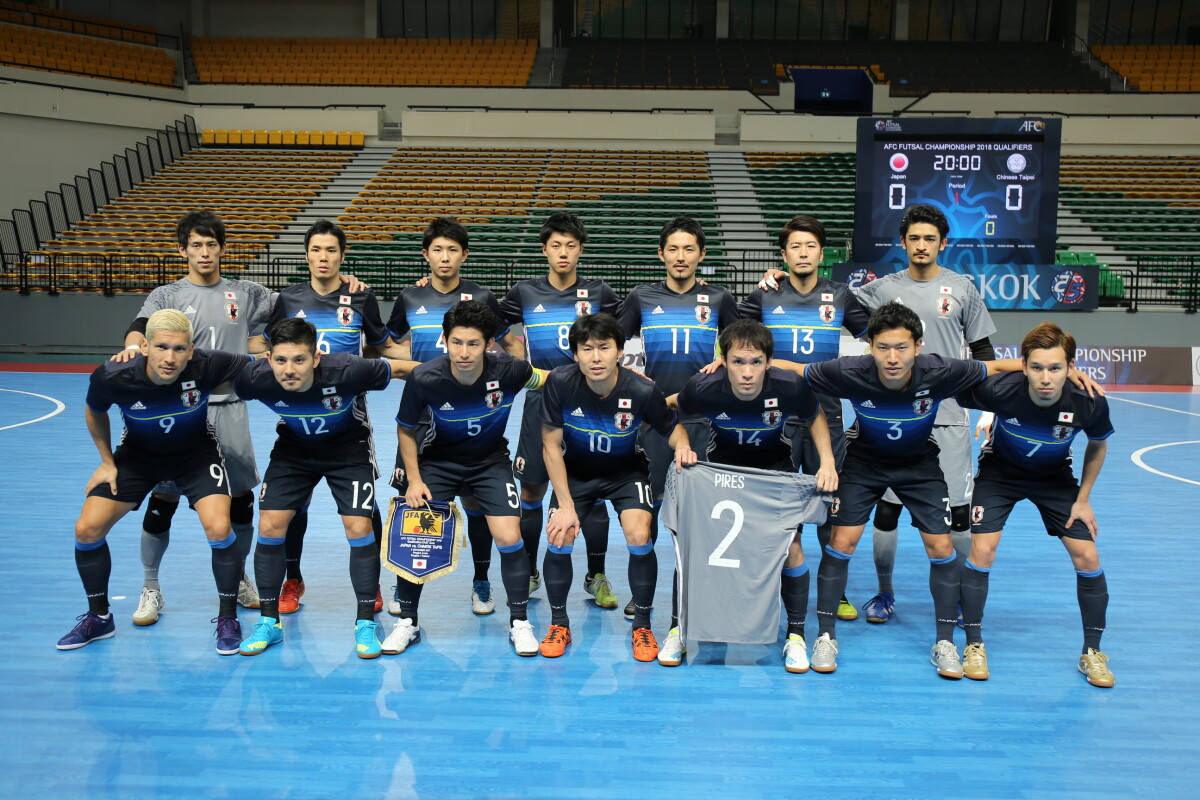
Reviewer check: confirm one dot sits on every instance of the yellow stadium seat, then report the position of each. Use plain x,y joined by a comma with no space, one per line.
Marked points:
261,137
343,139
208,136
357,139
289,139
235,136
275,138
303,138
330,139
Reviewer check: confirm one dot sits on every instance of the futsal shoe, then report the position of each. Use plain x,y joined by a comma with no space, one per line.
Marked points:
672,651
600,589
944,656
90,627
403,634
1093,664
824,655
846,611
149,604
556,641
535,580
644,646
879,609
289,596
522,638
266,632
394,604
229,635
248,593
795,654
366,639
975,664
481,598
378,598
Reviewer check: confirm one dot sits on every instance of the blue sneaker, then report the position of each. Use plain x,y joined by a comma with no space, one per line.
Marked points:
266,632
366,639
229,635
91,626
879,609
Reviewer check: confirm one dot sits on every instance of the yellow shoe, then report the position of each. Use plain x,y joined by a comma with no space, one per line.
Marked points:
975,662
846,611
1094,664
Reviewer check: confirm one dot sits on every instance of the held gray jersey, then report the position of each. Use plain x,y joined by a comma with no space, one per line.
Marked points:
732,528
223,315
952,313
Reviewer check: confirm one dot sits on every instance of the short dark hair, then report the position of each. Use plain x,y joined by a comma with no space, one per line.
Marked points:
597,327
470,314
445,228
324,227
290,330
562,222
802,223
893,315
681,225
202,222
748,333
923,212
1047,336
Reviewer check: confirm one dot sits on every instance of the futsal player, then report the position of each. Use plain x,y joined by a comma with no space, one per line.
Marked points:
469,394
748,403
591,413
418,314
678,320
323,433
163,395
805,318
1028,457
547,307
344,322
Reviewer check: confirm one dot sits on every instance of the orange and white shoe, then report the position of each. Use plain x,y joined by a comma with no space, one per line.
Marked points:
556,641
289,596
645,648
378,599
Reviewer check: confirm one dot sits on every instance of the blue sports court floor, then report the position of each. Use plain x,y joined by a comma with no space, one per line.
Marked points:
154,712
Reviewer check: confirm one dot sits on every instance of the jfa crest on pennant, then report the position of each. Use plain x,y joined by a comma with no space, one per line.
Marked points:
345,315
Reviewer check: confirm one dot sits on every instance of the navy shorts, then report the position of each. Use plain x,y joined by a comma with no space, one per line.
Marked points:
490,482
197,473
625,490
997,490
918,483
529,466
348,469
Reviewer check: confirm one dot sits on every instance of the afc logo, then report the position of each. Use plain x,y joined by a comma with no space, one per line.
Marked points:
493,399
977,514
190,398
944,306
345,315
703,313
1032,126
1068,287
583,308
332,403
231,311
623,420
772,418
860,277
827,313
922,406
1062,432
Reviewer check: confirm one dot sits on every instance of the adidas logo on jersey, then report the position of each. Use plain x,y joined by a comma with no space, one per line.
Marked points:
281,404
1013,421
723,416
189,310
868,404
540,309
421,310
300,314
778,310
446,407
577,412
137,406
658,310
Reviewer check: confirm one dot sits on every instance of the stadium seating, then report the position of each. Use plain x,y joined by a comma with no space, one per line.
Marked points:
1154,68
364,62
221,137
820,184
86,24
51,51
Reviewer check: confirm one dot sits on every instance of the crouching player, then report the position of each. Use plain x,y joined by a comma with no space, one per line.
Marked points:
592,411
1028,457
163,397
469,394
747,402
323,433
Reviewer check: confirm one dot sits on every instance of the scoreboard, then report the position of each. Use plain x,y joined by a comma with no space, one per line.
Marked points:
996,180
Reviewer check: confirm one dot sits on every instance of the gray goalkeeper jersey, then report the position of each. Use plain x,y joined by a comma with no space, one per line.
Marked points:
732,527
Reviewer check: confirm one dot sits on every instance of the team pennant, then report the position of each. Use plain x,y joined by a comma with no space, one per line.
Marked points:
421,544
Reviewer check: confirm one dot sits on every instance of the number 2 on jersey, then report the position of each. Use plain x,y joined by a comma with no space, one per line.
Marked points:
717,557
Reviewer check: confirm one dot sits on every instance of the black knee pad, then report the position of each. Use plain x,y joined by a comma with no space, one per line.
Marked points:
158,515
960,518
887,515
241,509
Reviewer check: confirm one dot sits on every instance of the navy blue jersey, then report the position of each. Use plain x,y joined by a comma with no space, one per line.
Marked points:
342,319
547,314
421,309
679,331
1027,437
468,421
163,419
748,432
894,424
600,434
329,410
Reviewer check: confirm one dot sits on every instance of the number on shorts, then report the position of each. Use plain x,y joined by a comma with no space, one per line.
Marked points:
318,425
946,500
717,557
166,423
218,473
645,493
514,499
368,492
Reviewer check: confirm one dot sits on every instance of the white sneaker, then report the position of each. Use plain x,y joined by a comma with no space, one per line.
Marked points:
795,654
248,594
522,638
403,634
672,651
481,598
824,657
394,604
944,656
149,604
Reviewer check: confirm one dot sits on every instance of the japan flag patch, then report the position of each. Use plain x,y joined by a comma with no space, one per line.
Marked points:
1066,416
624,402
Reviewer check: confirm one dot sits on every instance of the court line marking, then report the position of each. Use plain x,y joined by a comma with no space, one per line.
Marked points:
1151,405
61,406
1136,458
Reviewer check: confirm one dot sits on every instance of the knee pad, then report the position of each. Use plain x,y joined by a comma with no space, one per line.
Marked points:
158,515
960,518
241,509
887,515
